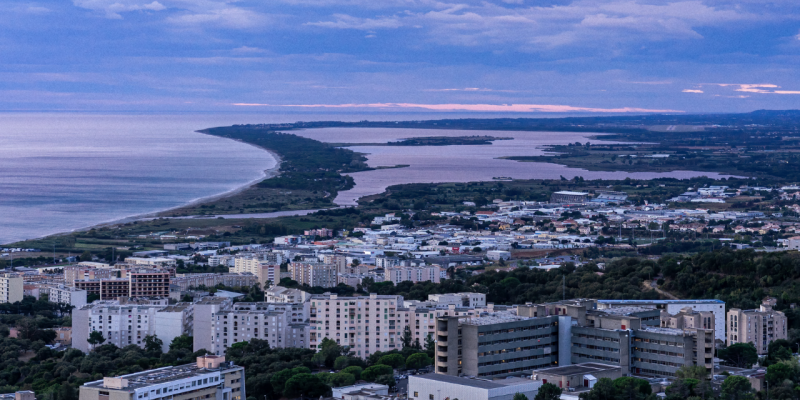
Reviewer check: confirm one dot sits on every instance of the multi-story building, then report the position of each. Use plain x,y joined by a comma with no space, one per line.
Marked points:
151,261
280,294
205,310
67,295
339,260
473,300
211,377
282,325
188,281
365,324
499,343
136,282
573,332
127,321
314,274
428,273
714,306
73,273
148,283
11,288
266,271
759,327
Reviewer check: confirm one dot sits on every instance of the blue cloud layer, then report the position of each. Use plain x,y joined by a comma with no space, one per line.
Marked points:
694,56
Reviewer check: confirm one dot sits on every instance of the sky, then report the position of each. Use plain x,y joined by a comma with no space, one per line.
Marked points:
419,55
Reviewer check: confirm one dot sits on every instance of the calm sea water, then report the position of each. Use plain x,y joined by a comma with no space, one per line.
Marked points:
462,163
60,172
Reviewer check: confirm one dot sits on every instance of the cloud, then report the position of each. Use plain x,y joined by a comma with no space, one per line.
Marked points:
472,107
471,89
230,17
344,21
691,91
758,88
113,8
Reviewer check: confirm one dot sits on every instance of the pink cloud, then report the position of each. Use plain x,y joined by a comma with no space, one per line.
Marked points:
692,91
472,107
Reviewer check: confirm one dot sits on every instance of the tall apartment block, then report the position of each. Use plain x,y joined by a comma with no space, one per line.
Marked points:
205,311
759,326
282,325
263,269
10,288
87,272
314,274
127,321
211,377
428,273
184,283
67,295
135,282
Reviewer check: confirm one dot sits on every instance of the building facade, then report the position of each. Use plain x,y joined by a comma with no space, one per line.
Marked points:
282,325
209,378
314,274
11,288
429,273
67,295
760,326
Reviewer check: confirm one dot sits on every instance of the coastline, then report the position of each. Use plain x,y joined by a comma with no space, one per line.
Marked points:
266,174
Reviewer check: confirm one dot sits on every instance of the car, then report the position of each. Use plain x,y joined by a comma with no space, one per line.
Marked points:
572,389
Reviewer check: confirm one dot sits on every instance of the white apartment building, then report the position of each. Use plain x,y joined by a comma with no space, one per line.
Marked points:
340,261
459,299
10,288
282,325
205,310
155,261
365,324
67,295
127,321
716,307
209,378
209,280
428,273
280,294
314,274
760,327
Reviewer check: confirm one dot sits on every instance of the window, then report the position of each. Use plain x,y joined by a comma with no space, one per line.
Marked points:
430,396
416,394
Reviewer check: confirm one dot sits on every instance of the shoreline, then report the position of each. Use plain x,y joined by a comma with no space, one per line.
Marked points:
266,174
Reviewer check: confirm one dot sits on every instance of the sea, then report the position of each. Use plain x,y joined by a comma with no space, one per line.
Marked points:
65,171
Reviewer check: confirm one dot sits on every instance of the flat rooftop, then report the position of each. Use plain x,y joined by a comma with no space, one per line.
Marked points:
666,331
155,376
473,382
665,302
577,369
627,310
494,318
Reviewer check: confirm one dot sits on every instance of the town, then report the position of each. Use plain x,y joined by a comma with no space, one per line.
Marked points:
325,292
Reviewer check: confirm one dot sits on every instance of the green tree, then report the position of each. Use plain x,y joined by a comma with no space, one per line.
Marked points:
430,345
741,355
95,338
387,380
86,256
736,388
547,391
66,392
393,360
305,384
520,396
182,342
691,372
630,388
780,372
603,390
281,378
373,372
341,379
418,360
153,345
407,338
340,363
354,370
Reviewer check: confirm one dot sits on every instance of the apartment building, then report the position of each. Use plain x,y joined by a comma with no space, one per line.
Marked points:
474,300
314,274
428,273
282,325
759,326
365,324
151,261
11,288
339,260
66,295
127,321
280,294
135,282
714,306
256,265
211,377
205,310
186,282
87,272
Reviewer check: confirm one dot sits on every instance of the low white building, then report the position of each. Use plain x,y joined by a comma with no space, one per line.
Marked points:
67,295
498,255
442,387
